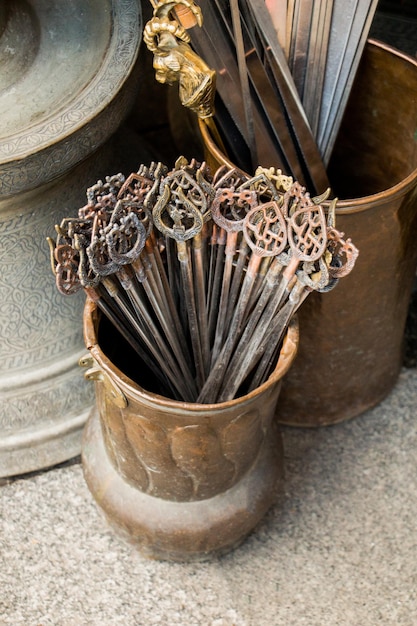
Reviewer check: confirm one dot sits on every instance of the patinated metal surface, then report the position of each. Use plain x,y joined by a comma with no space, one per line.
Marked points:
351,345
351,340
65,85
181,480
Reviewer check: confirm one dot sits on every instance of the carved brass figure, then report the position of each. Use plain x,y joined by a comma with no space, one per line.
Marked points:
175,61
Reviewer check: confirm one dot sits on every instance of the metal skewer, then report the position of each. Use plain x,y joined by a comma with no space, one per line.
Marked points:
110,250
271,344
244,80
267,229
270,247
317,179
307,239
228,210
73,268
337,262
113,316
215,378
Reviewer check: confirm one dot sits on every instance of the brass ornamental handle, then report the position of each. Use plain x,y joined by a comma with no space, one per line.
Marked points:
175,61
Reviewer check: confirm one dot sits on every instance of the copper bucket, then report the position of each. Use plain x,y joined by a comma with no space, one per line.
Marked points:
351,339
179,480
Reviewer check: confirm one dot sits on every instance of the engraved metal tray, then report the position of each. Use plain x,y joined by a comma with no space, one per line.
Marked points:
62,64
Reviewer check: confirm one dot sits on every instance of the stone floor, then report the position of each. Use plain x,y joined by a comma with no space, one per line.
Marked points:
338,549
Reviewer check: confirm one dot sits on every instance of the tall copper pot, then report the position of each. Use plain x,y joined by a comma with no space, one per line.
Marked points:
180,480
351,339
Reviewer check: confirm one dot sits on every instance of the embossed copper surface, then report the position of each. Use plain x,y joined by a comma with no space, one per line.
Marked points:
180,479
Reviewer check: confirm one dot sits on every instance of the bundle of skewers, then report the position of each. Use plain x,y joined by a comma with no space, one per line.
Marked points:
201,273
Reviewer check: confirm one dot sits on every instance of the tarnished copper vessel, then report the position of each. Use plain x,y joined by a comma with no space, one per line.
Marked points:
179,480
351,339
351,346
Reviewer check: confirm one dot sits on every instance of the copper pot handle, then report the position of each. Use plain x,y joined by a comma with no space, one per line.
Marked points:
95,373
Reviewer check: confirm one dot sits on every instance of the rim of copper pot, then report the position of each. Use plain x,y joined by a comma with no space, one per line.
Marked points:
287,355
349,205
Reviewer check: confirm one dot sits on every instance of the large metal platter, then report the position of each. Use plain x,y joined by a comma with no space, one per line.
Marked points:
65,72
